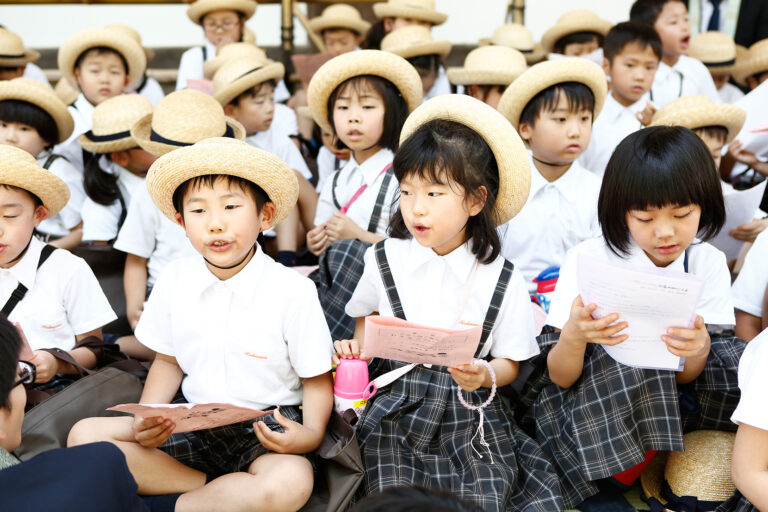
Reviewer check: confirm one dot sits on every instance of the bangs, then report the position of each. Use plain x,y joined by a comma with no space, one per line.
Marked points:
578,96
361,84
15,111
208,181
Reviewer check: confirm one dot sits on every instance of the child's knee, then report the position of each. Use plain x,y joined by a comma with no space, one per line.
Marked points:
91,430
287,483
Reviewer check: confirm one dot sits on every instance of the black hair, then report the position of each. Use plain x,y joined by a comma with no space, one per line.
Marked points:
413,499
485,89
252,92
448,152
656,167
576,38
10,346
372,39
100,185
647,11
35,200
629,32
425,64
17,111
101,50
717,132
335,29
208,180
395,107
579,96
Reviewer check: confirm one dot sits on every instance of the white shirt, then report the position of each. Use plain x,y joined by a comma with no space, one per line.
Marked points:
327,164
284,120
82,113
248,340
279,145
63,300
149,234
753,383
152,90
69,216
688,76
432,289
749,288
613,124
730,94
34,72
441,86
100,222
555,217
704,261
351,177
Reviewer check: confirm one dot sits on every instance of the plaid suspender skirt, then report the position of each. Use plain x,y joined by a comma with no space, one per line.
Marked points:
415,432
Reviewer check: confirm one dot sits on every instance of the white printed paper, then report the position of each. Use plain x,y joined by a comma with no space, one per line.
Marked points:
740,208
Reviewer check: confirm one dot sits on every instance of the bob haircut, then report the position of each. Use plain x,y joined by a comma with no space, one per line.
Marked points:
647,11
101,50
631,32
577,38
447,152
10,345
208,180
17,111
395,107
579,98
717,132
657,167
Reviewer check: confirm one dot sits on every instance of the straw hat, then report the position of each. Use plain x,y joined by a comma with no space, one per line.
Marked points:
84,40
363,62
112,122
703,470
223,156
20,169
489,65
423,10
509,151
547,74
181,119
756,61
239,75
39,94
580,20
12,51
715,50
413,41
517,36
232,51
200,8
696,111
340,16
248,36
149,53
65,91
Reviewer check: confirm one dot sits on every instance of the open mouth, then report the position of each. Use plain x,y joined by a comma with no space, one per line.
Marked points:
220,245
420,228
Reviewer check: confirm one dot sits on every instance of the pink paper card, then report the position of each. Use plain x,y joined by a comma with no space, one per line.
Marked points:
307,65
198,84
392,338
188,417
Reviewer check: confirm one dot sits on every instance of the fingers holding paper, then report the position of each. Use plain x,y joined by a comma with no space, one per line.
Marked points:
152,432
688,342
469,377
584,327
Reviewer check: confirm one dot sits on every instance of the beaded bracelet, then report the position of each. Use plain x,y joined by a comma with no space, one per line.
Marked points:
479,408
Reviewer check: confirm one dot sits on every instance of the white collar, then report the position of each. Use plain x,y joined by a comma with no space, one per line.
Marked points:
244,284
261,139
639,258
25,269
567,184
371,168
84,106
460,260
613,110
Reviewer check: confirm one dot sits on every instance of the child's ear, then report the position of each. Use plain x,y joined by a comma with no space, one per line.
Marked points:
388,22
41,212
229,110
477,201
267,215
126,81
76,76
606,66
121,158
179,219
358,39
524,129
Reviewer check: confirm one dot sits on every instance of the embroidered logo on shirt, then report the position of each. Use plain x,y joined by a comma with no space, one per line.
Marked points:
51,327
256,356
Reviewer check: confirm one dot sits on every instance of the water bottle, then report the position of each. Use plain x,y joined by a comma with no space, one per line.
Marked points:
351,389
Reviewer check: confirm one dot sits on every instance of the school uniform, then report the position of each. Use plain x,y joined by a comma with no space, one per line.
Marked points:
60,224
750,285
278,144
284,120
753,381
556,217
82,113
34,72
730,94
327,164
415,431
688,76
441,86
63,300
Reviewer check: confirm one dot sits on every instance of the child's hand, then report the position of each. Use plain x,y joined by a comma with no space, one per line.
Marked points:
341,227
296,439
694,343
317,239
737,151
469,376
152,432
347,349
645,116
46,365
748,232
583,328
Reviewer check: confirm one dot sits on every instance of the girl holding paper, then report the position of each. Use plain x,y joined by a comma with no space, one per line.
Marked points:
462,170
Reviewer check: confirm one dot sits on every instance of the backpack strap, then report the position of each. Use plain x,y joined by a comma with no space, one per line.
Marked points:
51,158
333,189
389,282
376,215
123,211
18,294
496,299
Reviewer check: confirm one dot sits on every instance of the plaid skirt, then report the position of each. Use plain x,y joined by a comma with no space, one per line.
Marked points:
417,433
737,503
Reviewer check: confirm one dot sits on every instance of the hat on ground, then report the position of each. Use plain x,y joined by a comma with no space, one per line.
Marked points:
340,16
547,74
223,156
12,51
756,61
423,10
40,95
362,62
696,111
112,122
200,8
517,36
580,20
133,34
702,472
510,153
20,169
117,40
181,119
229,52
489,65
239,75
413,41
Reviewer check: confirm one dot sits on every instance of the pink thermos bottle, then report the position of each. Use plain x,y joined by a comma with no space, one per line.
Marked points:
351,389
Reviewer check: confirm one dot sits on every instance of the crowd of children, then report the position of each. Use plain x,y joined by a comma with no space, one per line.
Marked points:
401,188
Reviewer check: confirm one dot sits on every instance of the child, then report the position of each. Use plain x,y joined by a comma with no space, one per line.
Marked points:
101,63
223,22
520,38
276,351
678,74
552,106
341,27
16,60
578,33
34,119
749,288
632,54
63,303
753,70
487,71
414,43
595,417
717,52
462,171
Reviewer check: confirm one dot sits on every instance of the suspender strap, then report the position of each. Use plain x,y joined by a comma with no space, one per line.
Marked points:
18,294
496,299
685,261
376,215
123,211
389,281
51,158
333,190
205,53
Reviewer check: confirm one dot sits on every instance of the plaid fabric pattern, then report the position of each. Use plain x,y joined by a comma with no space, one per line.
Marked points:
737,503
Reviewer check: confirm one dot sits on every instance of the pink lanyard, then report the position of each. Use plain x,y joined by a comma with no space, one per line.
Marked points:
345,208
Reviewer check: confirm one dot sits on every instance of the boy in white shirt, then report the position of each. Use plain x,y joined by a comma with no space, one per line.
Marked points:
230,326
749,289
552,106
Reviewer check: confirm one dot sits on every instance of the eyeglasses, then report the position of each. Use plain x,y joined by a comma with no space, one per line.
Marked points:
226,26
27,373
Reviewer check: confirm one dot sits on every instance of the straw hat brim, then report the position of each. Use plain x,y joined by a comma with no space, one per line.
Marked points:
468,76
200,8
19,169
508,149
748,67
387,10
560,30
29,56
217,156
360,26
362,62
46,99
211,66
549,73
652,477
708,114
271,71
441,48
142,130
101,148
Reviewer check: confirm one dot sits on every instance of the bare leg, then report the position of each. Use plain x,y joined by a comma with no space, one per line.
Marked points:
307,202
306,124
288,232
